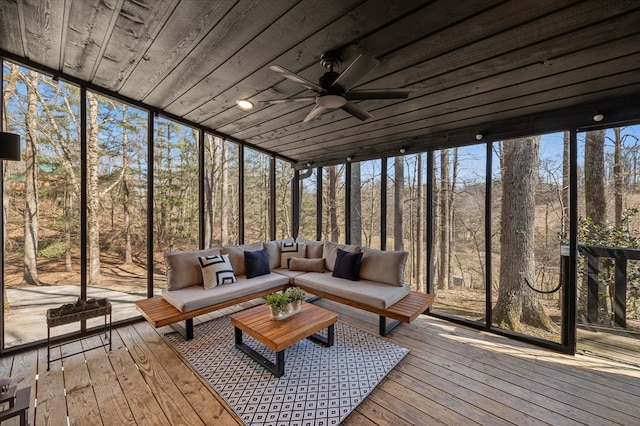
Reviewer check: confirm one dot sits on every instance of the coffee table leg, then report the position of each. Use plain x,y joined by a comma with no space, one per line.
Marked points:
327,341
279,364
276,369
238,336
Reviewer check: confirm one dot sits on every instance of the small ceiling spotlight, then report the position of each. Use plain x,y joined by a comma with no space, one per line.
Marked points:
479,136
598,117
244,104
349,158
402,150
309,163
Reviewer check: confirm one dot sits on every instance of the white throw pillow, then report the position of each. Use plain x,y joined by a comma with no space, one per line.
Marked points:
289,250
183,269
217,270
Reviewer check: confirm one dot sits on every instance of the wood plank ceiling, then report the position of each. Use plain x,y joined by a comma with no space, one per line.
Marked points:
497,67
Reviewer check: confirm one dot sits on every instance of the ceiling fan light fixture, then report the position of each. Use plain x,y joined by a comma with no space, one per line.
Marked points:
244,104
330,101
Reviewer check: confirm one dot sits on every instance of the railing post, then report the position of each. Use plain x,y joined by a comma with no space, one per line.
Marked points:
593,269
620,291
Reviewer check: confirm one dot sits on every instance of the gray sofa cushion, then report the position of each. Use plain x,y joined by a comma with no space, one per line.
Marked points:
288,273
183,267
236,255
330,251
314,248
370,293
273,249
196,297
383,266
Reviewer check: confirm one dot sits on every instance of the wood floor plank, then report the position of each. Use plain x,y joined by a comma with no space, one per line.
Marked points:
194,388
111,399
412,408
356,419
379,415
583,397
573,406
452,375
81,400
51,408
169,396
143,404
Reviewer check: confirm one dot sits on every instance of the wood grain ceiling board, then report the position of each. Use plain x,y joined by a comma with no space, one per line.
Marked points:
389,23
435,60
469,64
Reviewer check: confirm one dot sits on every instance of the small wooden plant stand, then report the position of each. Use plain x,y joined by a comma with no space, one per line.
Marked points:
55,319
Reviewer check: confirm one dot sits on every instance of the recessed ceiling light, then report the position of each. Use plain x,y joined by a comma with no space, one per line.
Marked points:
479,136
598,117
244,104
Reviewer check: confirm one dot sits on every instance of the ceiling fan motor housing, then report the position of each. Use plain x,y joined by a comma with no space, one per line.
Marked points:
327,79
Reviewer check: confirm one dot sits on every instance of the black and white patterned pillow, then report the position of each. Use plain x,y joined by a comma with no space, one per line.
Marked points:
289,250
216,270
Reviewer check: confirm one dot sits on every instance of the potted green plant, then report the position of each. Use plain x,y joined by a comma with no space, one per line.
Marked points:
295,295
278,302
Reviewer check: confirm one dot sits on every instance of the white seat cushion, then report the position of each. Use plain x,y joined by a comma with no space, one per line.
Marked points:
370,293
196,297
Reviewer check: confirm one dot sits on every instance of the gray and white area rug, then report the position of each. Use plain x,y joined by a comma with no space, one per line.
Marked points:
321,385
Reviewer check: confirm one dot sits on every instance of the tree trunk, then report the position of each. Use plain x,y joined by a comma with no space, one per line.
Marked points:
594,194
356,205
31,193
209,190
224,199
564,226
618,174
126,199
594,176
93,194
444,282
452,213
420,285
68,214
517,303
398,204
332,225
11,83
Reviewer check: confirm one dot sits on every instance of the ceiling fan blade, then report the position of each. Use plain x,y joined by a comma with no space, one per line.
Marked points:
316,111
283,101
294,77
357,111
358,68
377,94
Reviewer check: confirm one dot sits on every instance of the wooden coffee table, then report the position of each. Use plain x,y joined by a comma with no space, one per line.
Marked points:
279,335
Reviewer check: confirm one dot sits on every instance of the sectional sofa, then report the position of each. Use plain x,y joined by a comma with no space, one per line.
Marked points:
202,281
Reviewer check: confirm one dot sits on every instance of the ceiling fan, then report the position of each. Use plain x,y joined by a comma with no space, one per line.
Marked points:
334,89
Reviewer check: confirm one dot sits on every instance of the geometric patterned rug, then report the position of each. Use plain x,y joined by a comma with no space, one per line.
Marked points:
321,385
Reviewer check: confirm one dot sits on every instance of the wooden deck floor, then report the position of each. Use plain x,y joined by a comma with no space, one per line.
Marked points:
453,375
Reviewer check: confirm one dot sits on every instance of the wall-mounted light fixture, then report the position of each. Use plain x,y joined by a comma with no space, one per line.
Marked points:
479,136
598,117
9,146
244,104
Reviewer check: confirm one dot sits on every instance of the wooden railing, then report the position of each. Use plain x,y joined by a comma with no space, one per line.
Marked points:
619,255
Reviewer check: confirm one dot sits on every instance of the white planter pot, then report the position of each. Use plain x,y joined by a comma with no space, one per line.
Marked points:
292,308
